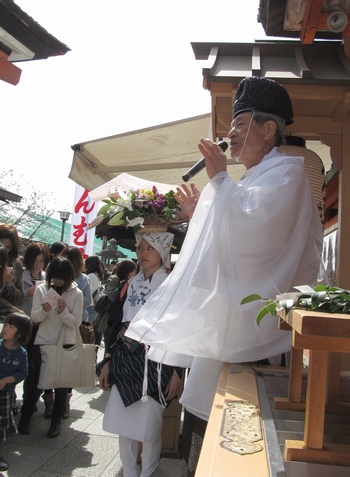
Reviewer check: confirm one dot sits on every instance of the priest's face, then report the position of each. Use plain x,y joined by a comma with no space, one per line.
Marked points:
249,141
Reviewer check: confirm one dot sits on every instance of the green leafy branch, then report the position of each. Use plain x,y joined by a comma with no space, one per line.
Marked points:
320,298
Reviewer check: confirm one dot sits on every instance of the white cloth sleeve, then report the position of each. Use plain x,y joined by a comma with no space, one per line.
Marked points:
259,236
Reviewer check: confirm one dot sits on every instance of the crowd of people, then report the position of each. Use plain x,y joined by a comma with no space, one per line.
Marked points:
28,321
260,235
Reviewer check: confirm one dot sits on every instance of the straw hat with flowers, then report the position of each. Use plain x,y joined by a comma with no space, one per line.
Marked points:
143,210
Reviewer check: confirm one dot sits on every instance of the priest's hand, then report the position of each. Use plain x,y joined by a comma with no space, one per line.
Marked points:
215,158
187,199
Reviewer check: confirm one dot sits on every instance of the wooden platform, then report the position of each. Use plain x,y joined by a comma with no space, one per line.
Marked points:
262,387
289,425
235,385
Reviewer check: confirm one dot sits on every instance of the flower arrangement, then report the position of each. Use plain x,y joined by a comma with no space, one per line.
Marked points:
320,298
131,207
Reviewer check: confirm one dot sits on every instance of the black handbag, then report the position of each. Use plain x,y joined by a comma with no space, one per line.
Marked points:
102,304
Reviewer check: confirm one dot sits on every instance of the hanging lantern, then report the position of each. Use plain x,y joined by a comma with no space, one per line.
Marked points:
296,146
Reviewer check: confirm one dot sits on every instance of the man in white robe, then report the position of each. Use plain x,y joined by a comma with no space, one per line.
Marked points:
262,235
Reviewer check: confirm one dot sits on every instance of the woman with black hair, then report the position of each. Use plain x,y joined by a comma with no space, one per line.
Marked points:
56,248
11,294
3,265
36,259
122,272
76,258
68,311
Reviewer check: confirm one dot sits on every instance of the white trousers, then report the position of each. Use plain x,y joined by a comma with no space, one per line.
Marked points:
150,456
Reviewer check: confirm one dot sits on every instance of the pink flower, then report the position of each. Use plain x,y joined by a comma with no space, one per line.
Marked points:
115,195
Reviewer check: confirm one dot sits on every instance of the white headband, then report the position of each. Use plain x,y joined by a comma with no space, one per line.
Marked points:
161,242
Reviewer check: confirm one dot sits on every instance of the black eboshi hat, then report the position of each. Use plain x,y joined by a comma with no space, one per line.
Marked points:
256,93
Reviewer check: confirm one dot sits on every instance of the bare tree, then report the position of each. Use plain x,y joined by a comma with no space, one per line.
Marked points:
31,215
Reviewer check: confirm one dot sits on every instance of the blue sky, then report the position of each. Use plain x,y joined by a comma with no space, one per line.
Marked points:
131,66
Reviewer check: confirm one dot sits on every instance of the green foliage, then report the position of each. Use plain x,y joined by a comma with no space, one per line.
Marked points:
320,298
117,219
171,208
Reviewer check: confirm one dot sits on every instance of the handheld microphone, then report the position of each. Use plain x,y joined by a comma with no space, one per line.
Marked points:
200,165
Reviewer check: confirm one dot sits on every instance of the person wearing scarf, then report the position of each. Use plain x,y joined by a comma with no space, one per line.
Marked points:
139,387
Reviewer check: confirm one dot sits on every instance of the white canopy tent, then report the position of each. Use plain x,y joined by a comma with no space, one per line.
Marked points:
127,182
158,155
161,154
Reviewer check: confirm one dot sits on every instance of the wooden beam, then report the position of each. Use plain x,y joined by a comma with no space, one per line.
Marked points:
309,127
314,124
346,40
295,91
347,47
343,108
8,72
310,21
343,253
334,141
315,92
223,89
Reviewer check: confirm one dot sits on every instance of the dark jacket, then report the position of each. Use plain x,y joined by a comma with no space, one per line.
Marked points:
115,313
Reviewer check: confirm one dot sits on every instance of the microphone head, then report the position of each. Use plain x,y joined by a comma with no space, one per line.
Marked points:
223,145
201,164
186,177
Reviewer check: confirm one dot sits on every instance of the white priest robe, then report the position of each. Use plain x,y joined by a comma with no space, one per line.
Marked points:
262,235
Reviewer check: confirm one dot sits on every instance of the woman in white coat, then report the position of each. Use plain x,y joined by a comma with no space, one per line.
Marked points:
51,318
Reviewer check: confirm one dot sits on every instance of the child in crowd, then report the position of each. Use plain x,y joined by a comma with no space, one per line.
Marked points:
13,369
